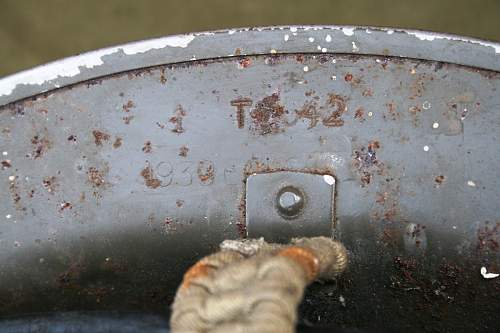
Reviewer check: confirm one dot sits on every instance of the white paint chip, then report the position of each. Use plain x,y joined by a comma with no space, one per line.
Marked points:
370,114
486,275
5,153
293,29
471,183
306,69
329,179
8,216
355,48
324,50
286,38
426,105
426,36
70,67
348,31
318,47
426,148
311,39
390,32
435,125
328,38
12,178
334,77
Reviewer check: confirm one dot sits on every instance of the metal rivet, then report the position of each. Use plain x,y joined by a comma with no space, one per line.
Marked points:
290,201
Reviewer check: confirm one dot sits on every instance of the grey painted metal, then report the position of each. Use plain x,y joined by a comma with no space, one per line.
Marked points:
113,186
282,205
250,41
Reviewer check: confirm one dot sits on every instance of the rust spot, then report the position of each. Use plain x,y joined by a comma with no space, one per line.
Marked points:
168,225
149,177
381,198
179,203
183,151
163,78
50,184
414,110
206,172
348,77
240,104
148,147
69,278
391,109
95,177
366,178
14,193
373,145
273,59
338,102
367,93
360,114
177,119
100,137
488,237
268,116
40,146
417,88
117,143
237,52
129,105
244,63
6,164
43,111
365,161
65,205
440,179
299,58
128,119
390,236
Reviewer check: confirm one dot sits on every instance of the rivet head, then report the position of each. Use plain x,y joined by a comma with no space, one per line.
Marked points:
290,201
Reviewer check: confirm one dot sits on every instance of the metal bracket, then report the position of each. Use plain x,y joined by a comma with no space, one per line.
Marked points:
286,204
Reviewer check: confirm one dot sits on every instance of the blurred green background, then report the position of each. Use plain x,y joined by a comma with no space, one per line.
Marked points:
33,32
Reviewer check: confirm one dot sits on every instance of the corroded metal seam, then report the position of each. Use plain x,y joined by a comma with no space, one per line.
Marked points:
251,41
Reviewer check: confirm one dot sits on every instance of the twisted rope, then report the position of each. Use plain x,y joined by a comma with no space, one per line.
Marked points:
253,286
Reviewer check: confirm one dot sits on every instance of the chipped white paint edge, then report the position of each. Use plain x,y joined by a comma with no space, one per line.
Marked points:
421,35
71,66
431,36
428,36
487,275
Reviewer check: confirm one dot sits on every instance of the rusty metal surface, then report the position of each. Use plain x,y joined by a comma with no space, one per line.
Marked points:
111,187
